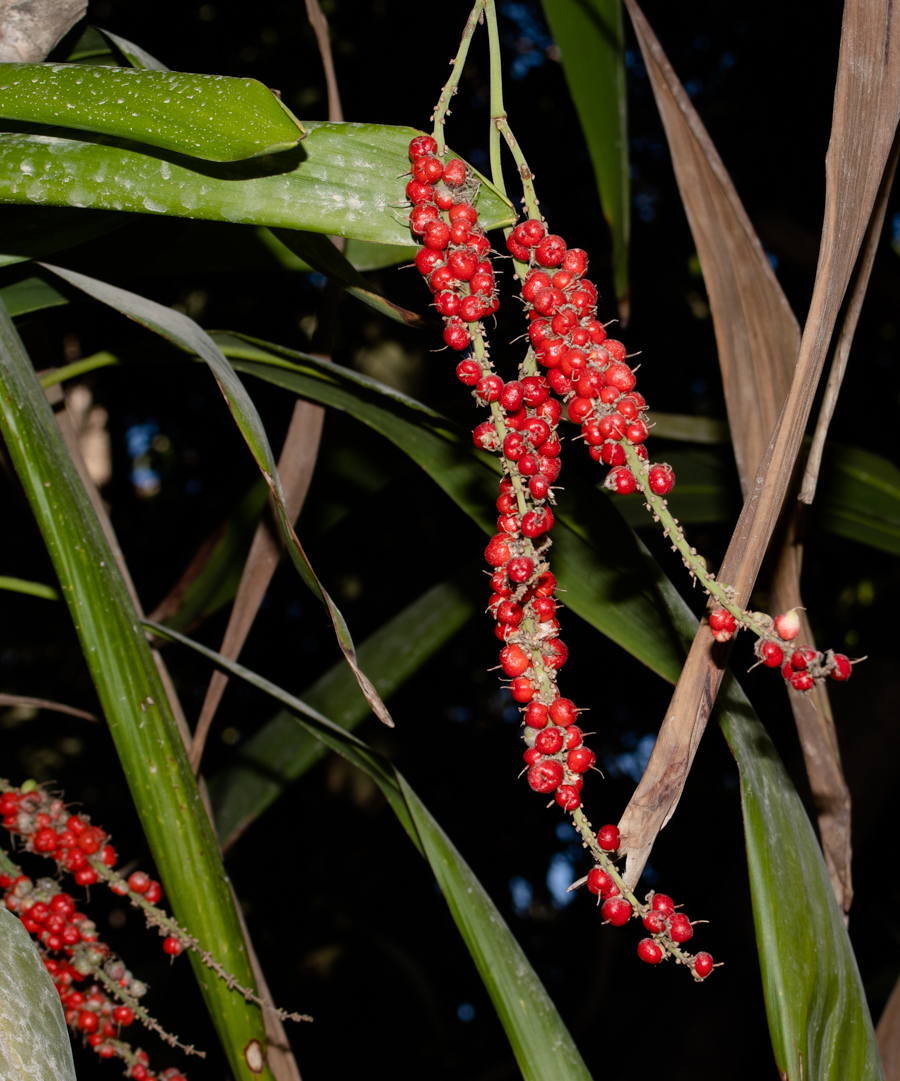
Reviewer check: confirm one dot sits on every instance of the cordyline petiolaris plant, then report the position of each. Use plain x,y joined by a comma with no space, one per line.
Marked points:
102,135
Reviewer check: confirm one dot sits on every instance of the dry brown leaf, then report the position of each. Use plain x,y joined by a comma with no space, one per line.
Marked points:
865,118
45,703
295,466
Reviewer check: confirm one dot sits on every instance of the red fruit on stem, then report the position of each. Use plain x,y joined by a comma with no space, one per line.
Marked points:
662,902
655,922
567,797
550,252
172,946
843,669
455,173
722,624
703,965
420,146
550,740
680,927
769,652
661,479
616,911
514,660
650,951
608,838
536,715
787,625
621,480
580,761
546,776
599,882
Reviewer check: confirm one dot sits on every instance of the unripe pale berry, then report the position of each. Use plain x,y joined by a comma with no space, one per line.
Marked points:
787,625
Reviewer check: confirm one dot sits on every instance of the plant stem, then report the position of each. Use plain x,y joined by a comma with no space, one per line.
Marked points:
442,109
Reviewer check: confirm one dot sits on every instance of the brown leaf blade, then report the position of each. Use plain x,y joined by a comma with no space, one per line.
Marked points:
867,102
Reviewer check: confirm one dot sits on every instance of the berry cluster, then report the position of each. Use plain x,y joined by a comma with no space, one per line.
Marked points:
584,366
453,260
99,994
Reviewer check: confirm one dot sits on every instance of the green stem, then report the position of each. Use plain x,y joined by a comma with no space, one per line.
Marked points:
442,109
498,111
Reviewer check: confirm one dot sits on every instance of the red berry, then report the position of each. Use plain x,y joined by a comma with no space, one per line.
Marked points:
154,892
536,715
769,652
843,669
531,232
463,263
617,911
418,192
580,761
45,840
173,946
550,740
563,712
621,480
703,965
123,1015
88,1021
802,681
550,252
621,377
456,335
435,233
531,756
599,882
575,261
615,349
87,876
608,838
655,922
139,882
520,569
468,372
447,303
650,951
454,173
680,927
473,307
803,657
514,660
546,776
722,624
420,146
427,170
567,797
661,479
662,902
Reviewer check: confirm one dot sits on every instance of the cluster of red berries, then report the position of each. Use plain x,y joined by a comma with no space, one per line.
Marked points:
801,666
453,260
584,366
44,825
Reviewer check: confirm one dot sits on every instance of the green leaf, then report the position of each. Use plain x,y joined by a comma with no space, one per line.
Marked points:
859,497
543,1047
134,54
282,750
818,1016
31,295
343,180
213,117
34,1041
188,335
130,690
33,589
319,252
590,36
609,589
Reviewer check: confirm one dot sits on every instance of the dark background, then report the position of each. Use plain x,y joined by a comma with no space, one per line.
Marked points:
346,917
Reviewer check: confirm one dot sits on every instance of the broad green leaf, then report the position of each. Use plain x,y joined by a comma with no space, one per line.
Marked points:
859,497
281,751
213,117
819,1019
134,54
590,36
33,589
343,180
609,590
543,1047
189,336
319,252
30,295
34,1040
130,690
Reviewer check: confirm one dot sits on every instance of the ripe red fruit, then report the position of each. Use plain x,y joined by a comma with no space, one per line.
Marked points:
843,669
650,951
608,838
420,146
512,396
436,234
514,660
567,797
555,653
769,652
428,260
139,882
520,569
655,922
703,965
617,911
88,1021
536,715
523,690
463,263
563,712
722,624
417,192
515,249
550,740
485,437
172,946
621,377
123,1015
580,761
550,252
531,756
468,372
488,389
546,776
680,927
802,681
427,170
45,840
803,657
621,480
661,479
531,232
497,551
599,882
454,173
662,902
447,303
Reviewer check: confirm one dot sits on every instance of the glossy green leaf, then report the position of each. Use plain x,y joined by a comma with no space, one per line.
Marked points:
543,1047
128,685
189,336
31,295
33,589
343,180
818,1016
282,750
591,544
590,36
34,1040
213,117
321,254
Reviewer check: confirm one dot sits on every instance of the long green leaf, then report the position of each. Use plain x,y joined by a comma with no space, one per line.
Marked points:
130,690
591,39
818,1016
34,1040
543,1047
343,179
281,751
213,117
610,591
33,589
188,335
